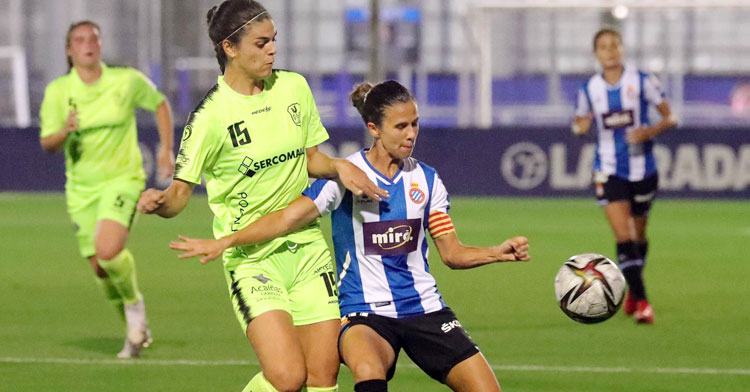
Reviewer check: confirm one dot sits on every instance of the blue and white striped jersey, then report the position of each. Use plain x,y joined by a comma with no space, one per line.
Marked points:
618,109
381,247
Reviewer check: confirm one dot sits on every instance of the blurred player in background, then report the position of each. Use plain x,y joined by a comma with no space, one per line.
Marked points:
90,114
254,137
625,177
388,297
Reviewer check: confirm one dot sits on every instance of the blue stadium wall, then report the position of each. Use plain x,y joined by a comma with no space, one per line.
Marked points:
539,162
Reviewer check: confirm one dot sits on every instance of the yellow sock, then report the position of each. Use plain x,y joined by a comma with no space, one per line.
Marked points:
121,271
113,296
259,384
334,388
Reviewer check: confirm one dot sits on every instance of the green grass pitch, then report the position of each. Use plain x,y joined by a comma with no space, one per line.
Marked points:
58,334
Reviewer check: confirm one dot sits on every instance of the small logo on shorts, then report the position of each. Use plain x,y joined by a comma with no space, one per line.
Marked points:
261,278
447,327
119,202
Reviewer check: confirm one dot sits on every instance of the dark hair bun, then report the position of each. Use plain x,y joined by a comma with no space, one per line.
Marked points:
211,13
358,95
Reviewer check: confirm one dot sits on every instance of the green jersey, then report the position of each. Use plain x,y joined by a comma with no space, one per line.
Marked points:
251,150
106,144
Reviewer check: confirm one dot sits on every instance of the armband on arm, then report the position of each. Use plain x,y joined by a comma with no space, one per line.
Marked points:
440,223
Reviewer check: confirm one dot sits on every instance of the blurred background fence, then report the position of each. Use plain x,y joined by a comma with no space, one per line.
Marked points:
471,63
510,66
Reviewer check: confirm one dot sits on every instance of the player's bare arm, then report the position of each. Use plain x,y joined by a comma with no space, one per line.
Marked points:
166,203
165,156
668,121
459,256
320,165
54,142
295,216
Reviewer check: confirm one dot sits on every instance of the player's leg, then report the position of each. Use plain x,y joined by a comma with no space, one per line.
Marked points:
274,340
318,342
472,374
115,214
370,357
438,344
119,265
83,213
644,193
641,240
107,287
313,299
114,259
261,304
614,196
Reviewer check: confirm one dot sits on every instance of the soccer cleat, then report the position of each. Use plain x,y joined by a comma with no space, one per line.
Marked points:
644,314
139,335
629,306
149,340
130,349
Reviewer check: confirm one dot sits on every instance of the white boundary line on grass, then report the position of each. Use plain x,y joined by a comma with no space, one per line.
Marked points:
517,368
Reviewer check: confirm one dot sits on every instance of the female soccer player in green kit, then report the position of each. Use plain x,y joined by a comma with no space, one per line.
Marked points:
254,137
90,114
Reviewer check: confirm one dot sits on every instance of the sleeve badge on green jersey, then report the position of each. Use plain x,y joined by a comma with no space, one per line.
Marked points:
294,111
187,133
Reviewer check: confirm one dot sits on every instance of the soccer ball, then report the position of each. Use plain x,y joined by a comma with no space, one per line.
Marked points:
589,288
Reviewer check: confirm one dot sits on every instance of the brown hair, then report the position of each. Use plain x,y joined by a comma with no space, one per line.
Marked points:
72,27
606,31
225,19
371,101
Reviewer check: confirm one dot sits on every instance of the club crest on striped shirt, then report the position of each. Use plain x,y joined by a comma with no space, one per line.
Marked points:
415,194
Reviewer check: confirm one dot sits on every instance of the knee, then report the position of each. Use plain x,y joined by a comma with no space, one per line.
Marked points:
323,373
108,250
368,369
286,379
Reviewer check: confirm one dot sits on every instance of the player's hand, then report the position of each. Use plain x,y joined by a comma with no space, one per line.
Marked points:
355,180
581,125
515,249
165,159
150,201
639,135
71,123
191,247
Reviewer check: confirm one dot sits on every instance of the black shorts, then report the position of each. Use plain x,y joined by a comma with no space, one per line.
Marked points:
640,194
435,341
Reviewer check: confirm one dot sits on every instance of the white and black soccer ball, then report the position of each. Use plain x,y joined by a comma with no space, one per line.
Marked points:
589,288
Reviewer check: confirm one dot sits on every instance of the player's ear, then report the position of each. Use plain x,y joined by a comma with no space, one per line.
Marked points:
229,49
374,131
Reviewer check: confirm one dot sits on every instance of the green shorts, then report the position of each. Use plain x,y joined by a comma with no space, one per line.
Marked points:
296,278
115,200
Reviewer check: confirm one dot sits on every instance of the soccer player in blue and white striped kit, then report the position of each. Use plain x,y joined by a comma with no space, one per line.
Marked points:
388,297
626,180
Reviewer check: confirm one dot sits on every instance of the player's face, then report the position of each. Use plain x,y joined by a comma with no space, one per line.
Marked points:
609,51
256,50
398,133
85,47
